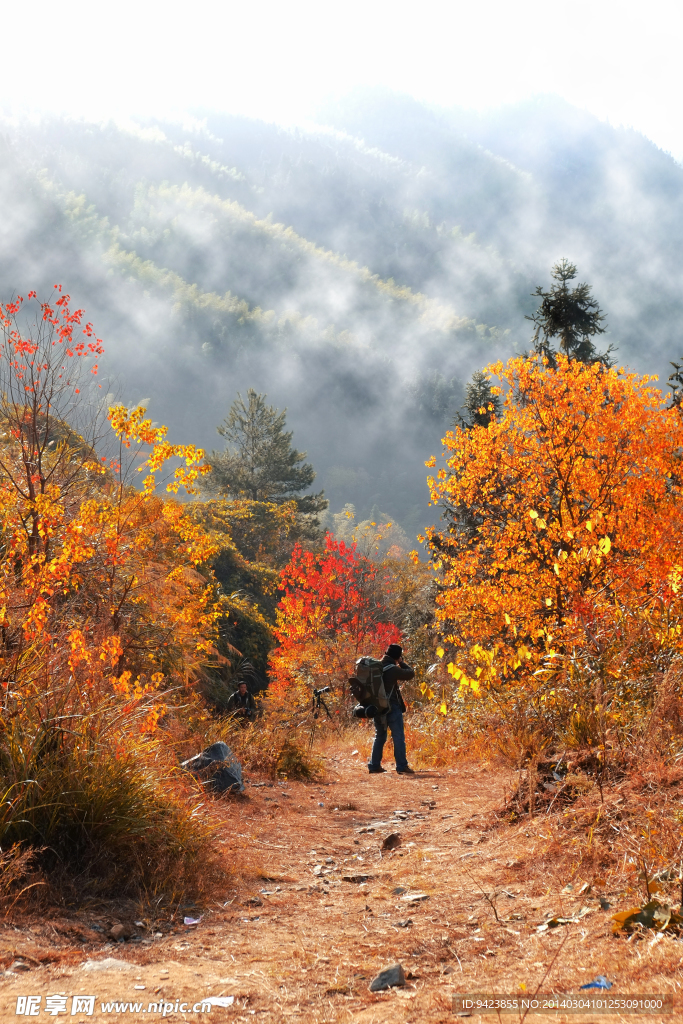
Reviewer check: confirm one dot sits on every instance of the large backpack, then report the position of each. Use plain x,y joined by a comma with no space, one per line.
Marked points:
367,686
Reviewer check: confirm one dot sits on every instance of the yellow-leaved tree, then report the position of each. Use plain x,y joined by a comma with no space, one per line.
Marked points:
102,612
561,555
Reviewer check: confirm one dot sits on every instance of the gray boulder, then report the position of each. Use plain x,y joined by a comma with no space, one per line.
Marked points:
218,768
390,977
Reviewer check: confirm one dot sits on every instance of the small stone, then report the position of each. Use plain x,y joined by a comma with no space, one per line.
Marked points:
119,932
391,841
253,901
329,860
398,891
391,977
358,879
321,804
404,924
19,965
415,897
318,869
107,964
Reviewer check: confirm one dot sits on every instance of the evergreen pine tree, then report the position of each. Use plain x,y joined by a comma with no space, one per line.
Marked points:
570,314
481,405
259,461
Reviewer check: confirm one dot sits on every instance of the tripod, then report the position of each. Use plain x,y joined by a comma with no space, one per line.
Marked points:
318,703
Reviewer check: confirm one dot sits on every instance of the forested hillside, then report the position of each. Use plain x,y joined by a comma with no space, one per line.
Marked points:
356,272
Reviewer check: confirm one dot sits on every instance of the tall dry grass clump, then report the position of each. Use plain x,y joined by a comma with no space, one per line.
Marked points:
99,799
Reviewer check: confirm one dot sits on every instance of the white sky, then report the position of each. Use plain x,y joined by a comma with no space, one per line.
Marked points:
280,60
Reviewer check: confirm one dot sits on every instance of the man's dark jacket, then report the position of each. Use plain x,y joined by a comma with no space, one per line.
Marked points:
392,674
244,703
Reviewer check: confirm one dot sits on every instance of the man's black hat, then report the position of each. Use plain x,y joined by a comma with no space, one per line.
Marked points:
394,651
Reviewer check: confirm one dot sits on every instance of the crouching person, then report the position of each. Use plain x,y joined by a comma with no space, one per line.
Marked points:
394,670
242,705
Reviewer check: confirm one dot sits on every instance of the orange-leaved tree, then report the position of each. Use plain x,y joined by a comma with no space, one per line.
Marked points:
330,614
98,579
102,612
564,519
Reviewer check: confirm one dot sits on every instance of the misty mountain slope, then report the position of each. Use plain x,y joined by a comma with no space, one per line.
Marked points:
282,268
357,271
359,206
607,198
160,353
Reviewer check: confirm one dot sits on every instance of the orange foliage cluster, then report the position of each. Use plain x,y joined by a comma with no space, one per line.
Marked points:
566,522
98,580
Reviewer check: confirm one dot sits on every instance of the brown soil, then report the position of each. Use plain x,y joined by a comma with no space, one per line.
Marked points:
288,942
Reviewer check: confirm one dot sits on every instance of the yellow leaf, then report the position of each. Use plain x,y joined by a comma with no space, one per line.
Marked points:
589,526
533,514
440,652
548,602
443,709
605,545
507,618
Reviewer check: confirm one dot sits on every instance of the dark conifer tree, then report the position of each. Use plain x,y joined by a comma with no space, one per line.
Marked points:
259,461
572,316
481,405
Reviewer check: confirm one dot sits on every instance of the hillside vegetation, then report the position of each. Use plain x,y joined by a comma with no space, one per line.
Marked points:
357,272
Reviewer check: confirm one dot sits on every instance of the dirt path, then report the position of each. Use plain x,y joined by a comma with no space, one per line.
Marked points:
302,940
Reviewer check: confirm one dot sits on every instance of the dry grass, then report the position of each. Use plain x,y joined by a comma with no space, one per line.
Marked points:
494,864
98,806
309,948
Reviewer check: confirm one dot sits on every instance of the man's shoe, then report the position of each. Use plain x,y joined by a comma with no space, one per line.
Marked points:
405,771
376,771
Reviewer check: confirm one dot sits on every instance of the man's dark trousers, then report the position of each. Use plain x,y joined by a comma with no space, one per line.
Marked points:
394,721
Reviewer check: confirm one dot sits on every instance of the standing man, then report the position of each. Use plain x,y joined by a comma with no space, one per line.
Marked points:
242,705
394,670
